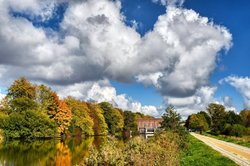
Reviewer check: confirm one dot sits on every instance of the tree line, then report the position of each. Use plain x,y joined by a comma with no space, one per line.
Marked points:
36,111
219,121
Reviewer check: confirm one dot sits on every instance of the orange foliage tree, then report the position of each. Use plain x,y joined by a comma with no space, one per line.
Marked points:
100,126
62,117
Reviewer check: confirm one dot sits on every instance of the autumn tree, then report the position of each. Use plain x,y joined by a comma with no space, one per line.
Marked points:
96,113
56,109
62,117
47,100
80,117
139,115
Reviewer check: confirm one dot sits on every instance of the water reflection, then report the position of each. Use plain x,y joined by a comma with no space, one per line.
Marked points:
47,152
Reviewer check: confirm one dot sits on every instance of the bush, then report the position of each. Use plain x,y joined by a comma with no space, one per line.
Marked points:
235,130
227,129
108,154
162,149
238,130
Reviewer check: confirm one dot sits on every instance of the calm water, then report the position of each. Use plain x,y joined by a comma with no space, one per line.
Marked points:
47,152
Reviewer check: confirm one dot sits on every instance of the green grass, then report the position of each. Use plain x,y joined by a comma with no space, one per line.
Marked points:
199,154
243,141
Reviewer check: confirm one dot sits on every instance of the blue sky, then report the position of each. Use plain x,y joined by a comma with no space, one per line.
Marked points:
140,55
233,15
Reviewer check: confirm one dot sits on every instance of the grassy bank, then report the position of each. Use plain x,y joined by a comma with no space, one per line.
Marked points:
199,154
244,140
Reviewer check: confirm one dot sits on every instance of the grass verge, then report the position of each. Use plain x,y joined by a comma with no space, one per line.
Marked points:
243,141
199,154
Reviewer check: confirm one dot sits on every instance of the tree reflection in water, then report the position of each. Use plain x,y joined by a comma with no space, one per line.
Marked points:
45,152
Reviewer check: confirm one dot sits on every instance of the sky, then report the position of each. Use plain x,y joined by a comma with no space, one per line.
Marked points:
139,55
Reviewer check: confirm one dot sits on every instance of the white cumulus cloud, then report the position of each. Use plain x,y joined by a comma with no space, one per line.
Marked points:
94,43
242,84
102,91
195,103
183,47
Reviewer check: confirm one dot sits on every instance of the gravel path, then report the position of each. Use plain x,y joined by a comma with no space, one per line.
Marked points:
237,153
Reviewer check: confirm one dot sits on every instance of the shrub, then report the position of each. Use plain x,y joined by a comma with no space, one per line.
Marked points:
235,130
162,149
238,130
108,154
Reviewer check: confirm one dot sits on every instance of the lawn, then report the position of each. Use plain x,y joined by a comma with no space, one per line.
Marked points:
199,154
244,141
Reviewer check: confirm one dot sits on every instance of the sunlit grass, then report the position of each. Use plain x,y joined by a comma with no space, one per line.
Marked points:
199,154
244,140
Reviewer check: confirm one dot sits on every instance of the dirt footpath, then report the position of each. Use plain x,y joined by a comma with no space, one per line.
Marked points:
237,153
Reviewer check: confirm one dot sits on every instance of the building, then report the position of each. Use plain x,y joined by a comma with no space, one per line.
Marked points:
149,125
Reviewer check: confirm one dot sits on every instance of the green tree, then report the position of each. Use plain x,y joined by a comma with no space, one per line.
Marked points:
28,124
22,88
232,118
198,122
23,117
207,117
171,119
113,118
21,96
217,114
187,122
47,100
130,123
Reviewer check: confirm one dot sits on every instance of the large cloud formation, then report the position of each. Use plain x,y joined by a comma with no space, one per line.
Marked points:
93,44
